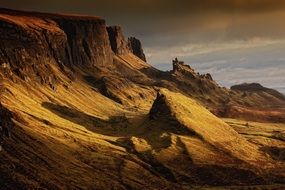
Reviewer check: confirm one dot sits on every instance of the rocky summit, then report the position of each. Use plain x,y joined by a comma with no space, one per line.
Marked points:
136,48
82,109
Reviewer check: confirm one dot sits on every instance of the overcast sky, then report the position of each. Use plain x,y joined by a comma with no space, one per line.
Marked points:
235,40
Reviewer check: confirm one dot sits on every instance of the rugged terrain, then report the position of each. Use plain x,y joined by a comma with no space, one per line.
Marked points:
81,109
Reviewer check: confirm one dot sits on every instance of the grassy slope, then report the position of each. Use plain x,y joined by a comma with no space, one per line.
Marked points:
211,129
269,137
75,137
64,137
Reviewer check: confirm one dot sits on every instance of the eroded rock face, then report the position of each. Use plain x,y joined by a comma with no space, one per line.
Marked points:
87,41
207,76
120,46
159,107
181,67
33,44
117,40
135,47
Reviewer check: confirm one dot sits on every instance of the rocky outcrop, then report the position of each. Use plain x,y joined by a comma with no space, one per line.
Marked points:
159,107
120,46
135,47
207,76
117,40
182,68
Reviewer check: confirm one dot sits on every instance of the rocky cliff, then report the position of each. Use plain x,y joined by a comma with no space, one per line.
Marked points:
136,48
117,40
35,44
120,46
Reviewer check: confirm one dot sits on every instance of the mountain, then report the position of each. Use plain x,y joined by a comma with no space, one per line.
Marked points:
257,88
270,109
81,109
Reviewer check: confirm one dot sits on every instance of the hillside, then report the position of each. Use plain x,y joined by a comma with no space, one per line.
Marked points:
82,109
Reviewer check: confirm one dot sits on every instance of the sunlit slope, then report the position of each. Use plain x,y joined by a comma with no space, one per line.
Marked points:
62,140
192,117
189,145
269,137
74,137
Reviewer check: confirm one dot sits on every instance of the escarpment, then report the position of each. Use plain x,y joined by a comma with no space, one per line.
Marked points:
35,45
136,48
117,40
122,46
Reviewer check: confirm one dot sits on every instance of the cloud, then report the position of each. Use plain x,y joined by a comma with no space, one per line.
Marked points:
150,8
168,22
232,62
158,55
159,6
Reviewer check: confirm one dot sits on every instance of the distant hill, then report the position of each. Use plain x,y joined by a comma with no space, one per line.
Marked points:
258,88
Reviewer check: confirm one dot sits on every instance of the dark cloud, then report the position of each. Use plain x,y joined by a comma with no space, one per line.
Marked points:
161,23
148,7
169,22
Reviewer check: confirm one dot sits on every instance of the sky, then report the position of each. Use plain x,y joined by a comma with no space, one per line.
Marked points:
236,41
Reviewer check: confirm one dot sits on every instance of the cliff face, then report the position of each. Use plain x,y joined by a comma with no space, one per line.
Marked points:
34,44
37,45
120,46
87,42
117,40
136,48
